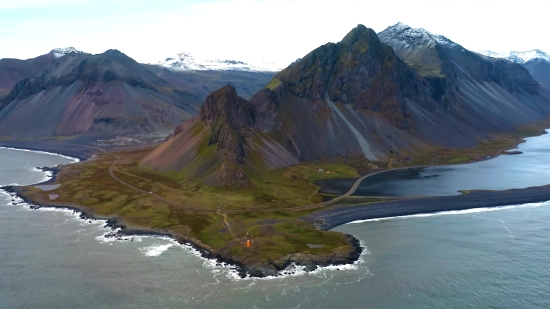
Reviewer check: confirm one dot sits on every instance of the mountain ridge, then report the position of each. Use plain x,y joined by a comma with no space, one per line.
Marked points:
188,62
517,56
359,98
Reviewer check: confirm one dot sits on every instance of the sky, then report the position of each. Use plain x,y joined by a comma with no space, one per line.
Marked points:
276,31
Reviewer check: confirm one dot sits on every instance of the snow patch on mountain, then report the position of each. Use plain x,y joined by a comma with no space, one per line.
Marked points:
188,62
60,52
411,38
517,56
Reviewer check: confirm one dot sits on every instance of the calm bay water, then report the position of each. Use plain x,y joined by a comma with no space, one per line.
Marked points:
532,168
497,258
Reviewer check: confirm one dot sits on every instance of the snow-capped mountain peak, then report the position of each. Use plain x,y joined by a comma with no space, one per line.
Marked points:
189,62
60,52
413,37
517,56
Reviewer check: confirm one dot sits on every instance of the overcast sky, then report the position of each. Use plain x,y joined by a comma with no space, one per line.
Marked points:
252,30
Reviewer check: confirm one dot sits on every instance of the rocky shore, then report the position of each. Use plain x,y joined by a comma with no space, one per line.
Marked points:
244,268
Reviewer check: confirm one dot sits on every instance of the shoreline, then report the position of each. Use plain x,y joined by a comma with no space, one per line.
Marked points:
243,271
309,262
330,218
503,151
324,219
73,151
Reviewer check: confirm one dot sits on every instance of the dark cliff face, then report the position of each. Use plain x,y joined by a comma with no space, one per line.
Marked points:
228,117
359,70
339,99
437,56
14,70
359,73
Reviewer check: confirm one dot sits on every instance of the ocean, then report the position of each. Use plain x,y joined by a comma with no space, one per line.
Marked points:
483,258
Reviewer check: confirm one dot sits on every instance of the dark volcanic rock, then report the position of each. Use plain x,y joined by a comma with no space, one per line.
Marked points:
228,117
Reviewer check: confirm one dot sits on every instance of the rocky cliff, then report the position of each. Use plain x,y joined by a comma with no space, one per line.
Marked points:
221,145
364,98
14,70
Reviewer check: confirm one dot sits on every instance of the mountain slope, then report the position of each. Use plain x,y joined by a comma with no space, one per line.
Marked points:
357,98
14,70
488,94
540,70
202,83
535,61
221,144
80,93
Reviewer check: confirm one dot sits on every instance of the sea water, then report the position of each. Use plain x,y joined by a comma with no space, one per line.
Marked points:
488,258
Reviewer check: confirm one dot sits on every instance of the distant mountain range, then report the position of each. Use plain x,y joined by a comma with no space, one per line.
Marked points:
70,92
366,96
370,95
518,56
188,62
535,61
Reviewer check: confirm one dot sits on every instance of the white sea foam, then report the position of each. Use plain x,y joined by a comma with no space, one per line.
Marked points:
74,160
455,212
294,270
155,250
110,236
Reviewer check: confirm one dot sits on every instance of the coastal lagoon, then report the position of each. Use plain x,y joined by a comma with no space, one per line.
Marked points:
495,257
531,168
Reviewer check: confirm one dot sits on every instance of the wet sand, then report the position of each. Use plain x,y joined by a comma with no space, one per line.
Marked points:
75,149
329,218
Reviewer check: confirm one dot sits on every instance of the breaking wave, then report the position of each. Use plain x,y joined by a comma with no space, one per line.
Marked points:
455,212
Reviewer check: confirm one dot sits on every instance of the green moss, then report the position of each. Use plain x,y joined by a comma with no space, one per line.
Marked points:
460,159
273,84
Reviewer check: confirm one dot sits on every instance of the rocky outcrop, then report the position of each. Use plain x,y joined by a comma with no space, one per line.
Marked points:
14,70
228,117
221,143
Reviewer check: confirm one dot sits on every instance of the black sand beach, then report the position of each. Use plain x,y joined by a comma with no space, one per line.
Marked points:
329,218
74,149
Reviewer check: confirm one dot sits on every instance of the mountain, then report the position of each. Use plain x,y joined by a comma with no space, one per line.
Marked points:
486,94
188,62
535,61
14,70
356,98
80,93
81,89
60,52
202,83
221,143
517,56
540,70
